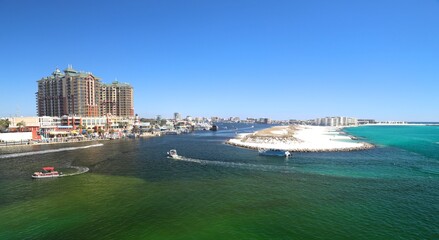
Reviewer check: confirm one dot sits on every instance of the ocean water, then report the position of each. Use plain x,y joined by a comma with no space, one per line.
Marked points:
133,191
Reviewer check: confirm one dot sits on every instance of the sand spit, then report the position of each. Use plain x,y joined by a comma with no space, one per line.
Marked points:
300,138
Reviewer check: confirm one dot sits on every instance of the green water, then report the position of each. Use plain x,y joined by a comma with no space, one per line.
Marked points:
134,192
419,139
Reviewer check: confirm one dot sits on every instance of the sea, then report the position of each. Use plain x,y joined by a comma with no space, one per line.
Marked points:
216,191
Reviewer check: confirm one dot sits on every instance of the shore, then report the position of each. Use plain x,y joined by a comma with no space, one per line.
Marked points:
300,139
68,140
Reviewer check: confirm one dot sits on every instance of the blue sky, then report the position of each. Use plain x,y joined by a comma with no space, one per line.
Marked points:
279,59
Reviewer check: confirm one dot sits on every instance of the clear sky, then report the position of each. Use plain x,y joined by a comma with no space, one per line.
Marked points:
280,59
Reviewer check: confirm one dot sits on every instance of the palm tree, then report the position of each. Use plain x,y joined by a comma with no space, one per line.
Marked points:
136,129
21,125
4,124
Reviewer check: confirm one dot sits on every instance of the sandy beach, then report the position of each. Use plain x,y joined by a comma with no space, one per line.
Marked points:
300,138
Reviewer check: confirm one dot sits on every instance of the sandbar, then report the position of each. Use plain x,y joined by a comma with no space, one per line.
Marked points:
300,138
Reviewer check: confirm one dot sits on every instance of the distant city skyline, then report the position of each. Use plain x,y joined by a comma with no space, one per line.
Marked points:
281,60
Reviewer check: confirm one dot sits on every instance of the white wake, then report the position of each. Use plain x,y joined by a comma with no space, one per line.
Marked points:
14,155
81,170
260,167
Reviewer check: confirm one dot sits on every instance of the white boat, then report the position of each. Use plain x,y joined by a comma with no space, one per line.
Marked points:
48,172
173,154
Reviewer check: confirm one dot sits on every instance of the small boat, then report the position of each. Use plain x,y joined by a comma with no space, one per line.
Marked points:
274,152
172,132
47,172
214,128
173,154
131,135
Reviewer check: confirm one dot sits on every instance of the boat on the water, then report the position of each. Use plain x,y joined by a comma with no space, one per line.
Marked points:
274,152
214,128
47,172
173,154
172,132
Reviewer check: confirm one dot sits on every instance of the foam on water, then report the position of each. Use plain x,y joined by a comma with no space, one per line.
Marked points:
14,155
236,129
260,167
81,170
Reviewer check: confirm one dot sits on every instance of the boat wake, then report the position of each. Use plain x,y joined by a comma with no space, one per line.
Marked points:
81,170
14,155
249,166
237,129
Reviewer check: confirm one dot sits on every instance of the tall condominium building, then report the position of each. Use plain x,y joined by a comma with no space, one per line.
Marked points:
68,93
117,99
82,94
177,116
336,121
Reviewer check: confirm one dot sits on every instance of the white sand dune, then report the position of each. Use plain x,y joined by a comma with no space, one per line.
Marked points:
300,139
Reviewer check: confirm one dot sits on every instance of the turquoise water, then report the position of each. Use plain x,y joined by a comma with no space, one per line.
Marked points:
220,192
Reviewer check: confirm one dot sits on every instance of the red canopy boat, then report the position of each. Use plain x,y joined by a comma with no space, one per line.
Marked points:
48,172
48,169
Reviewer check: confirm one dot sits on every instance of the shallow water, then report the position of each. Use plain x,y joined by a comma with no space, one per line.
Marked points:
133,191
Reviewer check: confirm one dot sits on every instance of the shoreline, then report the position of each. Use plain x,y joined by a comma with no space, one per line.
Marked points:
300,138
73,141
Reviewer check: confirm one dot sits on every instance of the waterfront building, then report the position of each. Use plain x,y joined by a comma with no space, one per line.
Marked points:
251,120
39,126
264,120
68,93
117,99
234,119
75,93
391,122
215,119
23,121
102,122
25,124
366,121
177,116
36,128
336,121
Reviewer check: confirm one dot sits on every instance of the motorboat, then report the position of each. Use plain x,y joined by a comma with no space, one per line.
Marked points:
47,172
173,154
274,152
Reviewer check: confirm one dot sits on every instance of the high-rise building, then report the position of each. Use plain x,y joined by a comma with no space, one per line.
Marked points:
336,121
82,94
68,93
117,99
177,116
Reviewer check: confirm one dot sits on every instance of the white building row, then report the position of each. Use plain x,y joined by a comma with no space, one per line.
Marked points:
336,121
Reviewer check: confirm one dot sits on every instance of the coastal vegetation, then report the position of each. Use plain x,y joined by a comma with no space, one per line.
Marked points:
4,124
278,133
